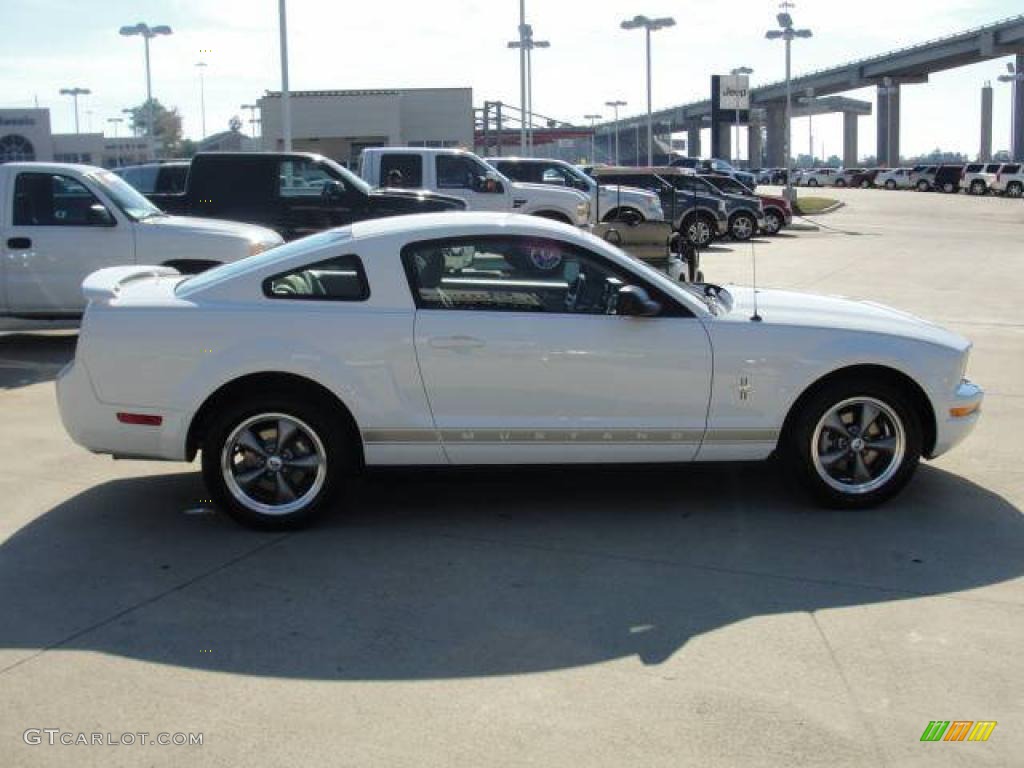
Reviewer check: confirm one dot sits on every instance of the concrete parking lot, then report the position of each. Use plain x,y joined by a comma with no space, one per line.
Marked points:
686,616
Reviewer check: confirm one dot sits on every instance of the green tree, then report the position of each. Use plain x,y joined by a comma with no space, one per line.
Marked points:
166,125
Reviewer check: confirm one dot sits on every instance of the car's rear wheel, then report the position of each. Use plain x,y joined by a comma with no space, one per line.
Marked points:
854,443
1014,189
812,182
273,462
890,184
865,184
742,227
977,187
922,186
948,188
840,182
773,221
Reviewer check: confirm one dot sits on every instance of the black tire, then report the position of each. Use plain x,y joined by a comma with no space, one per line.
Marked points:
773,222
840,182
890,185
1014,189
742,227
865,184
922,186
219,460
700,230
948,188
807,436
812,182
978,187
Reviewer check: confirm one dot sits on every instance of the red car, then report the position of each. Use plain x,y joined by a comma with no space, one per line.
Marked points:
778,213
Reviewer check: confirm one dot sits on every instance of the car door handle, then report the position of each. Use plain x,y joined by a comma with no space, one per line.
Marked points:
456,342
19,243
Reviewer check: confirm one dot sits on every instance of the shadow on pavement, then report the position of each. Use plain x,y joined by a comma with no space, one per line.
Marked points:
450,575
28,358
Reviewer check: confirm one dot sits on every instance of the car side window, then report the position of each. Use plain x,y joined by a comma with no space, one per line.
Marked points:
302,178
456,172
54,200
516,274
401,170
341,278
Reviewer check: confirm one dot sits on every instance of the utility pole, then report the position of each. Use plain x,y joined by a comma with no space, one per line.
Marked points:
286,107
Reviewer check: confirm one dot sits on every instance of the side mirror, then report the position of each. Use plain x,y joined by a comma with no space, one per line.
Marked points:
333,190
633,301
99,216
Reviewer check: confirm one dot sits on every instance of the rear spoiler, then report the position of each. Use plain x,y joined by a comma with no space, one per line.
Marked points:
106,284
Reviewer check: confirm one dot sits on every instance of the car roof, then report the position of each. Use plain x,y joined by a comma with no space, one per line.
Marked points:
452,223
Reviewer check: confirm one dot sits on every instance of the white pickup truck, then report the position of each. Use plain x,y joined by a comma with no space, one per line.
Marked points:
462,174
60,222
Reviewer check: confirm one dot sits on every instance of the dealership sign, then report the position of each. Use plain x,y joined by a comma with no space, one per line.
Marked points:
734,92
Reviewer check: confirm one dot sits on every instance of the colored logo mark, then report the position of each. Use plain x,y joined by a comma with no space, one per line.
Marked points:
958,730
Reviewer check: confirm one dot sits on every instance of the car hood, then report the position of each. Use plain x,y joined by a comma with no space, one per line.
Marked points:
808,310
530,187
190,225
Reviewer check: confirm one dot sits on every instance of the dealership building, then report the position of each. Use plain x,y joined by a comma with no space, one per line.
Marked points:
341,124
25,135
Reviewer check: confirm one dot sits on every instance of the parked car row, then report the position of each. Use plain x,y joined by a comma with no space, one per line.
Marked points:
973,178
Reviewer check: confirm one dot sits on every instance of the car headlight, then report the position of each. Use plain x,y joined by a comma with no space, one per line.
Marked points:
259,246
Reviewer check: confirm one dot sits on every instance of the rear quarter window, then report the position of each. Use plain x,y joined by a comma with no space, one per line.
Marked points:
340,278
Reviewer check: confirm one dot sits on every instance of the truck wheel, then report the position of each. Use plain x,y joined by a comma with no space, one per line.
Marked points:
840,182
812,182
742,227
1014,189
773,222
977,187
854,443
272,461
865,184
699,231
890,185
922,186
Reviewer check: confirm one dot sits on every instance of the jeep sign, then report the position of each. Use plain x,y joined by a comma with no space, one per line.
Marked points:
734,92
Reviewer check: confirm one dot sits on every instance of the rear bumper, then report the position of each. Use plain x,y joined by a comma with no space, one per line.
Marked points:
952,429
94,425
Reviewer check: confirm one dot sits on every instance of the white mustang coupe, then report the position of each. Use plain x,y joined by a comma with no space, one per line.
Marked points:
481,338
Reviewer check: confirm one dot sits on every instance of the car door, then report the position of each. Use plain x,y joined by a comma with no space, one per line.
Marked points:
60,232
312,199
465,177
524,361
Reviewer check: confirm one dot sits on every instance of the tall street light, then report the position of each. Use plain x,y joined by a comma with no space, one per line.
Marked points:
74,93
201,66
525,45
1013,77
148,33
592,118
649,25
286,105
787,33
615,105
735,73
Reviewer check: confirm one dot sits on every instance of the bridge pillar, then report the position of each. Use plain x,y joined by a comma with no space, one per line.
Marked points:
693,139
777,136
1017,141
850,139
755,145
985,153
888,153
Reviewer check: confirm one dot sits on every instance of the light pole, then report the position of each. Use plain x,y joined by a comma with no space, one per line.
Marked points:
736,73
649,25
1013,77
888,89
74,93
808,99
615,105
787,33
525,45
148,33
286,105
593,151
201,66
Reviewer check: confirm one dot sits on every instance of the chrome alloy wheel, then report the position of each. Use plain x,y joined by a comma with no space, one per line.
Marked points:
273,464
743,228
858,445
698,232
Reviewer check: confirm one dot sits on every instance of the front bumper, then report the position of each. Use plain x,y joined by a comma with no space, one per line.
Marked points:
958,417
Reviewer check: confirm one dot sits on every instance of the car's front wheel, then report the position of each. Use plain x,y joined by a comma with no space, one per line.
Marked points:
922,186
812,183
840,182
854,443
273,462
742,227
699,231
773,221
865,184
978,187
1014,189
890,185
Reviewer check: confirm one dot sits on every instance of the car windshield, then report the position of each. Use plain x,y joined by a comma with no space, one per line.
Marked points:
132,203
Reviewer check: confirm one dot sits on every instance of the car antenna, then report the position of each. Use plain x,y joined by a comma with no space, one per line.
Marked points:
756,318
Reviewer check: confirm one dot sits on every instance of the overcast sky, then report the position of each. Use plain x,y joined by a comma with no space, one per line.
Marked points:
50,44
